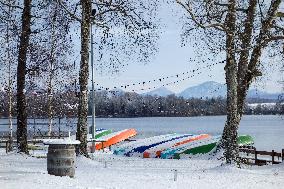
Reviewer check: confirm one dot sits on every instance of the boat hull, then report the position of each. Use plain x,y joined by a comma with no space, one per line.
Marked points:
114,138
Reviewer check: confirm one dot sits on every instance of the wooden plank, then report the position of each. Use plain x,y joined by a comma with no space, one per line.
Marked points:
264,153
255,158
276,154
250,151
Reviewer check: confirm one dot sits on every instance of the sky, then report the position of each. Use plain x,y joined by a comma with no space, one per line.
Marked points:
172,59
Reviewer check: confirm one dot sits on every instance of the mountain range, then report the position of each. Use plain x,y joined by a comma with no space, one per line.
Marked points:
210,89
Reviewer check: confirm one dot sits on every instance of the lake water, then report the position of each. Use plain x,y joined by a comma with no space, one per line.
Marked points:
267,131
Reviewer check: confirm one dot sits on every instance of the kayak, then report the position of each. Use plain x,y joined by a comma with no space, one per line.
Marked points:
209,145
125,148
102,132
99,133
170,152
157,150
113,138
138,152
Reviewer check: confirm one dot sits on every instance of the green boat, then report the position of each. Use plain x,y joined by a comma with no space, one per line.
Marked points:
102,132
243,140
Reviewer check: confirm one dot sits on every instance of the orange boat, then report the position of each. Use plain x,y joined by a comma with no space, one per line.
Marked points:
113,138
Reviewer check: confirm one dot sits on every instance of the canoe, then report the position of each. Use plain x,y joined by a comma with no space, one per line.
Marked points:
245,140
113,138
99,133
138,152
170,152
210,145
125,148
157,150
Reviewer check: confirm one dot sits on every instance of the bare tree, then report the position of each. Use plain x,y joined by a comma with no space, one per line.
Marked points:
50,49
244,30
43,43
7,22
126,16
21,77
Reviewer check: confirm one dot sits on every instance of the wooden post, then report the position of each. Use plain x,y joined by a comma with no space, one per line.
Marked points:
282,155
175,175
103,146
7,146
272,157
255,157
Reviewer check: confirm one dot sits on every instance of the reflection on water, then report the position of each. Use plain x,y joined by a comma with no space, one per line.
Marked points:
268,131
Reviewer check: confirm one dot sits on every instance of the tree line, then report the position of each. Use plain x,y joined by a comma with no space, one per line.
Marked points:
129,104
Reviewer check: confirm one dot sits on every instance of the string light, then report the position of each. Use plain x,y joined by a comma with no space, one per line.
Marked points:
194,71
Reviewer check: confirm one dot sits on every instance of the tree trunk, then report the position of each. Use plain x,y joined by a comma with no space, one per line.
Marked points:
49,105
9,62
82,124
51,73
21,73
229,137
244,56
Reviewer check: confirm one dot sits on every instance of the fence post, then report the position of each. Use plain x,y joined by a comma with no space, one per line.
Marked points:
272,157
175,175
282,155
255,157
7,146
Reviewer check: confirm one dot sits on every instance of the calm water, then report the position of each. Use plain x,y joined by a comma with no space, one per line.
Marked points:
268,131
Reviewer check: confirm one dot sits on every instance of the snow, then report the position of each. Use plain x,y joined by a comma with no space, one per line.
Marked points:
106,170
61,141
267,105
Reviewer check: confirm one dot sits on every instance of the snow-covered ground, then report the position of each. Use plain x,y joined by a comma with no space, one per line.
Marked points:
109,171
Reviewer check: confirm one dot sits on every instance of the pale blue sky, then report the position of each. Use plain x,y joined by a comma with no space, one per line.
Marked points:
173,59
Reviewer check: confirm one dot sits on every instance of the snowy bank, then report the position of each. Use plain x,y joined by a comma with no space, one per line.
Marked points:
109,171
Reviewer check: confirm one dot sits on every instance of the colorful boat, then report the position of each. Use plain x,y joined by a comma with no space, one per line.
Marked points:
245,140
127,147
99,133
170,152
113,138
209,145
138,151
157,150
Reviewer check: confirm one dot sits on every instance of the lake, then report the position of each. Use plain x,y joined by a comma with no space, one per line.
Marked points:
267,131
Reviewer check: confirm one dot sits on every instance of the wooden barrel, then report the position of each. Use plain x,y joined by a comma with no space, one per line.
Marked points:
61,160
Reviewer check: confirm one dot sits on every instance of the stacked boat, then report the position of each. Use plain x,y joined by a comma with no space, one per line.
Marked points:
168,146
105,138
175,146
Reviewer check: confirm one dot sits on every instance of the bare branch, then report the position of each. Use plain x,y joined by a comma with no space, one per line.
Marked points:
221,4
262,39
217,26
72,15
226,5
275,38
9,5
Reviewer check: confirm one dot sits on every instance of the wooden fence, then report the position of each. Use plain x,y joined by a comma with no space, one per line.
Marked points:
253,156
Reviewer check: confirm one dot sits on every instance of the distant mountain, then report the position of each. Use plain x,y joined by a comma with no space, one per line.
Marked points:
211,89
254,93
208,89
162,91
